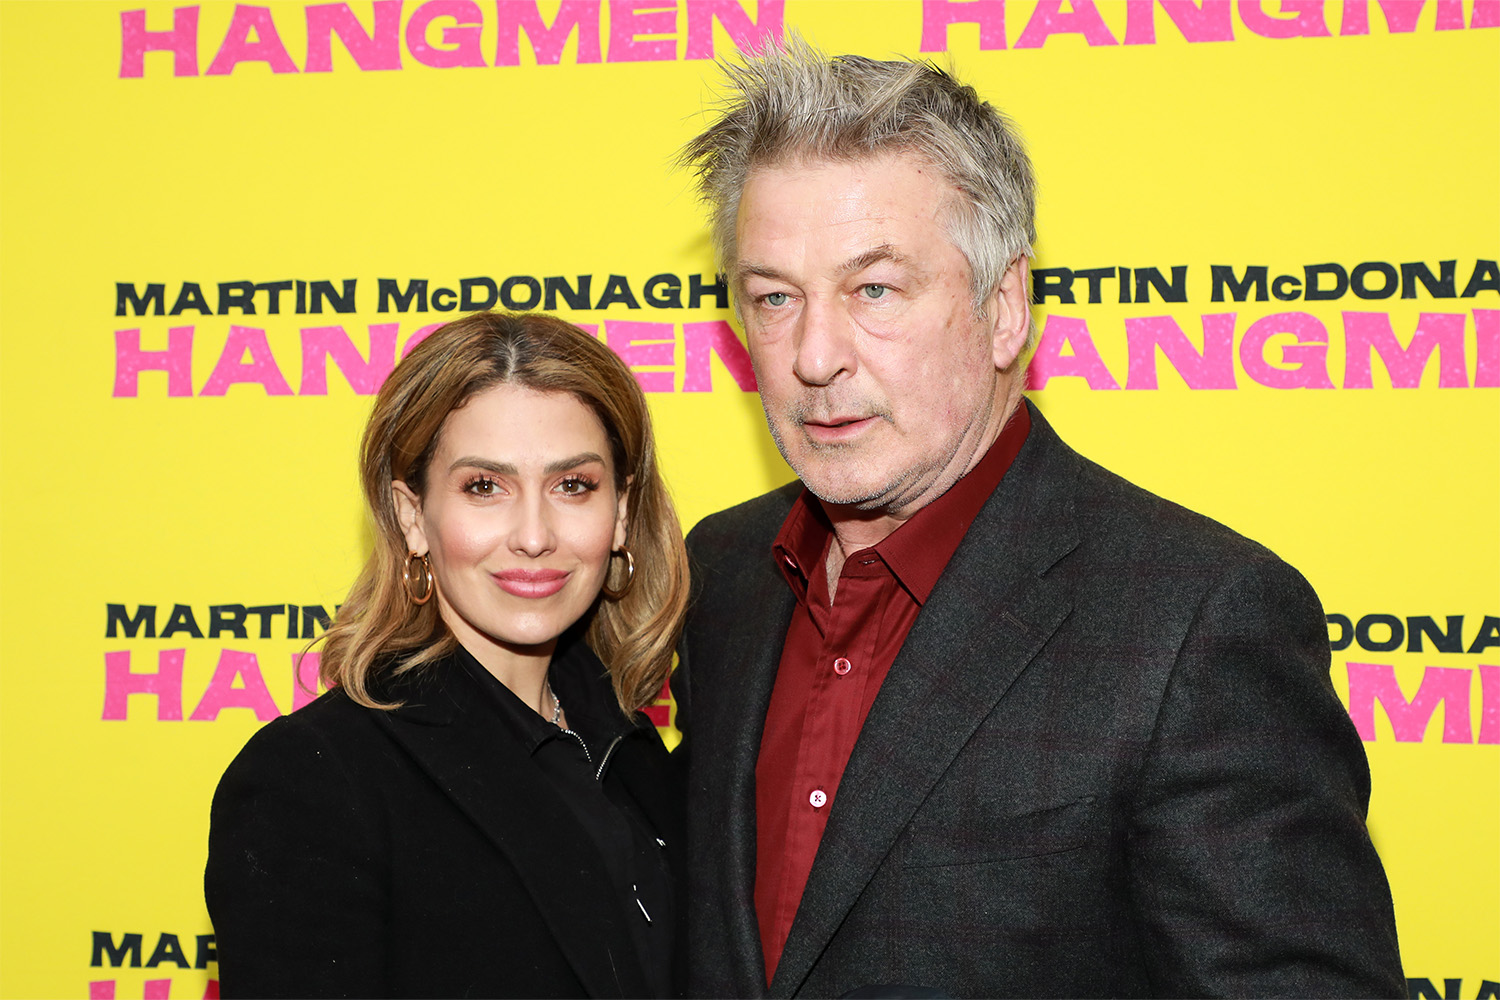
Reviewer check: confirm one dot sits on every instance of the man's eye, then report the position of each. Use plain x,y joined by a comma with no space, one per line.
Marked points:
875,291
775,299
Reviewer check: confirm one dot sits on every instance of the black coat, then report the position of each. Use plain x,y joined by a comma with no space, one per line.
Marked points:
1107,761
419,852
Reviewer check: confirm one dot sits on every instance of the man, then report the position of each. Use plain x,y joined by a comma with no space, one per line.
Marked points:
968,715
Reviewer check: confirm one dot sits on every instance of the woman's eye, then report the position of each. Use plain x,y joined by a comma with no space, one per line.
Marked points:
575,486
483,486
775,299
875,291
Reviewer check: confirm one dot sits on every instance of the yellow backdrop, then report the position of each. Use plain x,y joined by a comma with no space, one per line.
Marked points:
1267,287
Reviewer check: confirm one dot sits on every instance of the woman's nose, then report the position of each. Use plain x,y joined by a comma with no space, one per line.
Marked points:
532,533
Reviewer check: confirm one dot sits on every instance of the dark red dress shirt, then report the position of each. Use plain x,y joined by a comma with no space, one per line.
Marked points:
835,658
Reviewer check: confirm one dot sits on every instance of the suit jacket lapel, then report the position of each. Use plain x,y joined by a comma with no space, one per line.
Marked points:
487,773
990,614
747,654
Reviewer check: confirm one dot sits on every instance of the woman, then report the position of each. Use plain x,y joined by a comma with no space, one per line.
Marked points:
476,808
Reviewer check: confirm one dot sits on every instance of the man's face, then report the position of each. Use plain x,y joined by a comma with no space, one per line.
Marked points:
879,382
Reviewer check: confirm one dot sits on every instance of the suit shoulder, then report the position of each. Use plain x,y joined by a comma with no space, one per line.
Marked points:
1120,525
752,524
1131,519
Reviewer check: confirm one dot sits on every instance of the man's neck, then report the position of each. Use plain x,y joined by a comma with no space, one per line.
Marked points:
853,534
855,529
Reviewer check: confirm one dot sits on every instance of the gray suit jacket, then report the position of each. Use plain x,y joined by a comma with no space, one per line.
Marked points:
1108,761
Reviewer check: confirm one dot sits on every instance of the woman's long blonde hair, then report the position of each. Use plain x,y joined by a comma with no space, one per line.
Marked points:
379,629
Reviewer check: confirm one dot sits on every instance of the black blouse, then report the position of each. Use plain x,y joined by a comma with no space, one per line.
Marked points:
575,760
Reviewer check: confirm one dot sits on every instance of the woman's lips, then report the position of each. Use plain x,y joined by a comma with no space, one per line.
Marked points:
531,583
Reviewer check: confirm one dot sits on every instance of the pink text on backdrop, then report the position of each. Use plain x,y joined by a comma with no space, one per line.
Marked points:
1191,20
237,682
1287,350
451,34
247,358
1449,687
152,989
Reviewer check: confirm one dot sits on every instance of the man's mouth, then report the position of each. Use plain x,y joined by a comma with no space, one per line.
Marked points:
837,428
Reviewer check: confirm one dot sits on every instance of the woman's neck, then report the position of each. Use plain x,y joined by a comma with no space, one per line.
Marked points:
522,669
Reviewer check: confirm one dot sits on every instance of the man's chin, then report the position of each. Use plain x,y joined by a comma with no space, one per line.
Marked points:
829,486
836,474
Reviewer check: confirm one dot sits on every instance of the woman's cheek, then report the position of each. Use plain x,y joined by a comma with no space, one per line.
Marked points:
468,540
593,539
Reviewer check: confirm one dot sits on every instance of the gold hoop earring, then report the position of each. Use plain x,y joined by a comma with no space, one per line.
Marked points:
408,577
615,595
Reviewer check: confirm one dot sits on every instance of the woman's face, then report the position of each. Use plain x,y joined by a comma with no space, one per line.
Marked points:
518,519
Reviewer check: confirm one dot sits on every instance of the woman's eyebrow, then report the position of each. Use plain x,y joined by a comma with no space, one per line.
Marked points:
507,469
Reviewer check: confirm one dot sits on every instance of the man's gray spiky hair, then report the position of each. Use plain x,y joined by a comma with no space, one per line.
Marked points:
795,103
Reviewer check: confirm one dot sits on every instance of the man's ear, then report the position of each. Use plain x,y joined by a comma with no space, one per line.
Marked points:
1012,313
409,516
622,512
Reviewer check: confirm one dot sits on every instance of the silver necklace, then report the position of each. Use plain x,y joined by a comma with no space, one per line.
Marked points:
556,704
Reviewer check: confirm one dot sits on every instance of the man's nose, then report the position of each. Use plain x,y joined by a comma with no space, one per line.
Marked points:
825,344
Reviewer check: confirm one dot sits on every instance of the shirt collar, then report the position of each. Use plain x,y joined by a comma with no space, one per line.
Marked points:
918,551
582,685
802,543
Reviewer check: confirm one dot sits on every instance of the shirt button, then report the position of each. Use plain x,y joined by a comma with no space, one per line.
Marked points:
818,798
842,666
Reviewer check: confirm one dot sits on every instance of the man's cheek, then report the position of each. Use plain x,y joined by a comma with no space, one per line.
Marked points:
772,368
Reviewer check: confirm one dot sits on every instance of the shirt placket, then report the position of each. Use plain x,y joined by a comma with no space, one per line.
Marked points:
834,711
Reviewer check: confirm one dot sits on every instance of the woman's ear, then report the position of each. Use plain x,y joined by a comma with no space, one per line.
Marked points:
409,516
622,513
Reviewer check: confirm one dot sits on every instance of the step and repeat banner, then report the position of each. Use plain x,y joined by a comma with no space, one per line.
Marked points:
1266,287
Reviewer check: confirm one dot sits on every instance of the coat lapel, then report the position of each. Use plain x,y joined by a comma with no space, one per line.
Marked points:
992,611
741,660
486,771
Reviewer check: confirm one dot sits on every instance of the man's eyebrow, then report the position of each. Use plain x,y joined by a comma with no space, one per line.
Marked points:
875,255
744,269
507,469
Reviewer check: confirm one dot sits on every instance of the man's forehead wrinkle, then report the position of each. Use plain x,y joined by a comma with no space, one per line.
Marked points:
810,157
